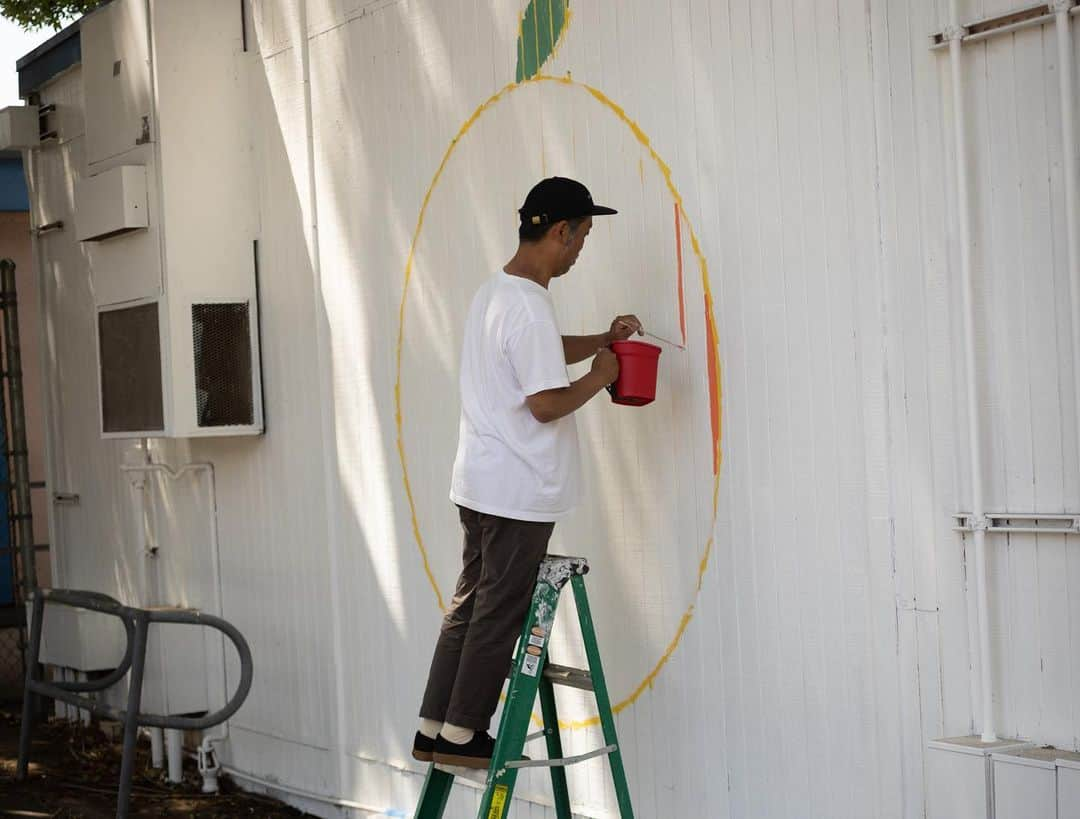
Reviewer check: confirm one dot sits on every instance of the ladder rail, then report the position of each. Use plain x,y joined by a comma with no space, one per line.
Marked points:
559,787
603,702
532,676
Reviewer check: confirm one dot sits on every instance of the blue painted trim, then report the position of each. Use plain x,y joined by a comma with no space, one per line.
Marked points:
49,59
13,195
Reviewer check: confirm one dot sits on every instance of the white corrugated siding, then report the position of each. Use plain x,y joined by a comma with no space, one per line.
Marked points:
810,144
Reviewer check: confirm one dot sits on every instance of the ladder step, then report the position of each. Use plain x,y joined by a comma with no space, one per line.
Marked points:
565,675
564,761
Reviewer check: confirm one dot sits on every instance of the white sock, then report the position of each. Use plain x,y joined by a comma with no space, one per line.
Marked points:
456,734
429,727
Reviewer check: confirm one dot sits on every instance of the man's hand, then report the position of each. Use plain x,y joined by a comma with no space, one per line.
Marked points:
623,327
550,405
606,366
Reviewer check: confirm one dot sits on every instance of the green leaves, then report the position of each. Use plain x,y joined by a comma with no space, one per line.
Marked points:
31,14
542,24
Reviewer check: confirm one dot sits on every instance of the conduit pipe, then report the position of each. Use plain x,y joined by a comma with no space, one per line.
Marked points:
324,357
146,598
208,765
157,747
954,34
1066,75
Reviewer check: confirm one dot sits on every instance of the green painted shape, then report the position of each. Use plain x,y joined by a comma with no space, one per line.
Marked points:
541,28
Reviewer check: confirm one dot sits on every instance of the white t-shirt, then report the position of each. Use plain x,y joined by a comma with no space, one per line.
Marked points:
508,463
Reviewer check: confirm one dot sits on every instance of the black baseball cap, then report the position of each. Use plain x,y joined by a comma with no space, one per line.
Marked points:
556,198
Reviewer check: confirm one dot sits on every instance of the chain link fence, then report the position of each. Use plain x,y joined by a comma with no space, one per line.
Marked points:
20,556
11,665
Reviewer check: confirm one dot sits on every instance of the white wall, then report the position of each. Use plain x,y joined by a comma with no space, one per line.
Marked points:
809,143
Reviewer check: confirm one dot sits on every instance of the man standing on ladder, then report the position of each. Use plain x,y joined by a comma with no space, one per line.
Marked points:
517,469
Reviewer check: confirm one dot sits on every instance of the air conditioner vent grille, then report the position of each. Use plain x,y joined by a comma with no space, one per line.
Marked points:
224,393
130,348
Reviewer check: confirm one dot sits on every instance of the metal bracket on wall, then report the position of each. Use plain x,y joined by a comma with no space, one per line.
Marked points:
1003,23
1030,523
49,227
45,133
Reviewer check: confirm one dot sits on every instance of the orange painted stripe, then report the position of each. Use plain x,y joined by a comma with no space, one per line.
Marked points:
678,255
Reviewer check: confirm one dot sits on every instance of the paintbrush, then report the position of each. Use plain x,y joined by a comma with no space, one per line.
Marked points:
645,332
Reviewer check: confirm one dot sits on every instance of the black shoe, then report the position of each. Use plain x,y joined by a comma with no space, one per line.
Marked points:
476,753
422,747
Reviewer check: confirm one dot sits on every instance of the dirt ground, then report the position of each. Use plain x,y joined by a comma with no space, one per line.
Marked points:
75,770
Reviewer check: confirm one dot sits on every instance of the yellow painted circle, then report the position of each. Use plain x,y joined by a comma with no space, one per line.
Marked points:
713,355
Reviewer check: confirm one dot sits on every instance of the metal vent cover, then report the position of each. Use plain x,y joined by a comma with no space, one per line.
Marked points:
130,350
224,390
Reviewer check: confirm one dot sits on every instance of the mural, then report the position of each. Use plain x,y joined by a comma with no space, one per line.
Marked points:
653,474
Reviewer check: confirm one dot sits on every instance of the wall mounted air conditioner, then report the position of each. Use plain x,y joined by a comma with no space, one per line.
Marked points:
174,279
19,127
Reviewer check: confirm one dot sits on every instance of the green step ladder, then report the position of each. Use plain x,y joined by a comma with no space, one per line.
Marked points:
531,674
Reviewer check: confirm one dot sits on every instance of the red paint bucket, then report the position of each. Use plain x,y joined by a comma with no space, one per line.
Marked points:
638,363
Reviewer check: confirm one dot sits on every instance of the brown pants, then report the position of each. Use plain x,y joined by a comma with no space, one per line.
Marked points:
476,642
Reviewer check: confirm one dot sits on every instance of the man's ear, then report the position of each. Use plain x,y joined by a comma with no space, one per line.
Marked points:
566,234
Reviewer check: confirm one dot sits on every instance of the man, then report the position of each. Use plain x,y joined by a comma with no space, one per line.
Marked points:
517,469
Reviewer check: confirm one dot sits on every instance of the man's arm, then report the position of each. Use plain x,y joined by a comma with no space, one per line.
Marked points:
550,405
578,348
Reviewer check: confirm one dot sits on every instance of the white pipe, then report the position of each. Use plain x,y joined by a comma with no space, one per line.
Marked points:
157,747
174,750
84,714
145,596
71,712
48,375
325,364
1066,73
274,785
955,34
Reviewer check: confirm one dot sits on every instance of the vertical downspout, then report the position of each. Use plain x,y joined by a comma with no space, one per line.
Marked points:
324,357
955,34
1066,69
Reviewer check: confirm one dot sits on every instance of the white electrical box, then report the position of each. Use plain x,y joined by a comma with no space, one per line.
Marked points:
1025,783
81,639
115,69
18,127
960,778
111,203
175,681
175,674
172,252
1068,785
